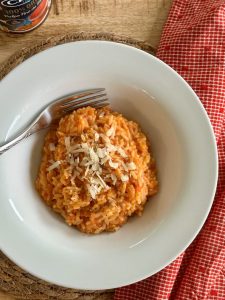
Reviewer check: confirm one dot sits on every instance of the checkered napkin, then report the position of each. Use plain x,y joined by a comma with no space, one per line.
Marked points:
193,43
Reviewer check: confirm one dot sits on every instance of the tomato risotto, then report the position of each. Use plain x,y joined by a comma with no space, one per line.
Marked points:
96,170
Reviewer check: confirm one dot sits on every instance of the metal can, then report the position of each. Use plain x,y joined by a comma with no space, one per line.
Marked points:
22,15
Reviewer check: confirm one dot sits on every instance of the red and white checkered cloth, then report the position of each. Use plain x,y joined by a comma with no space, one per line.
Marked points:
193,43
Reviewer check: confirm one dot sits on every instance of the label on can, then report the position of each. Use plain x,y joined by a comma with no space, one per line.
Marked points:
22,15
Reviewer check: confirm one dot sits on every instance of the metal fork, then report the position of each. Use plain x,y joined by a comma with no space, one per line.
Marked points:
57,109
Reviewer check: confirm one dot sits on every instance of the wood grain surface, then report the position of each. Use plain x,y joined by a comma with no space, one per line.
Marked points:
141,19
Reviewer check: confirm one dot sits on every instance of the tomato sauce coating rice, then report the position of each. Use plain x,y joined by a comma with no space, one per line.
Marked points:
96,170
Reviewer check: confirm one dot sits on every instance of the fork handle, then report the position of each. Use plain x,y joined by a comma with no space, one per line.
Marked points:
16,140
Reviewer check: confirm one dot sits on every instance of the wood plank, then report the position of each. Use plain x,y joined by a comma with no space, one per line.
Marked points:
4,296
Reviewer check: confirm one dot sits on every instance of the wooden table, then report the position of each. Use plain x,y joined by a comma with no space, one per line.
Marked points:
141,19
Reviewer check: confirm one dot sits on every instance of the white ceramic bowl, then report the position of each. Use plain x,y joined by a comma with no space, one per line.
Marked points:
144,89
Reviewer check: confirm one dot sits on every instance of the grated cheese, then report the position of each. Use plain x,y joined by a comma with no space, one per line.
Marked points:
102,152
71,160
86,171
121,152
67,143
114,179
104,185
96,136
131,166
94,157
79,151
113,165
111,148
124,178
111,132
83,138
85,146
105,138
102,113
79,169
92,191
54,165
105,159
89,160
52,147
124,166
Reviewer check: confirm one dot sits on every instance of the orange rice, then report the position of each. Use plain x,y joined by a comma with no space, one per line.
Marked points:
91,191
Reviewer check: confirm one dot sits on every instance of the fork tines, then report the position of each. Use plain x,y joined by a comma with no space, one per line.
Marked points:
95,98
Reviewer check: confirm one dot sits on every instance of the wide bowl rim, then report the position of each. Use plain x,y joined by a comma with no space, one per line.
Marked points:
215,158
